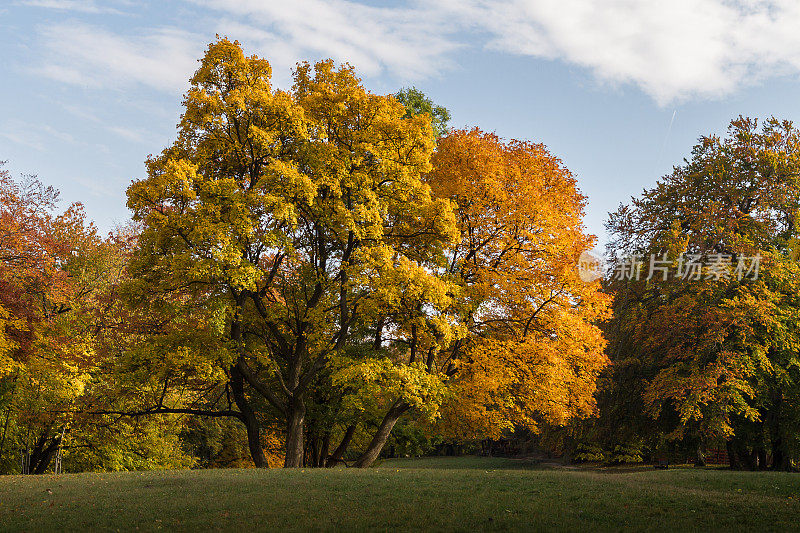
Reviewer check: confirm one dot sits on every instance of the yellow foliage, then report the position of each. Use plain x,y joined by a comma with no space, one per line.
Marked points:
378,379
7,344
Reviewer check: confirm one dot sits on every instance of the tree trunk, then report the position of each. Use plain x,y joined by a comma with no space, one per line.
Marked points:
733,458
700,458
294,434
312,457
752,459
43,452
762,457
382,435
338,453
745,457
780,456
323,452
9,405
5,430
248,418
46,455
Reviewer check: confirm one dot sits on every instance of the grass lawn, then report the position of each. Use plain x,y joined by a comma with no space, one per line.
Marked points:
451,494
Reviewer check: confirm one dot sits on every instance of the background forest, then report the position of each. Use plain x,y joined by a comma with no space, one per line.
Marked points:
324,275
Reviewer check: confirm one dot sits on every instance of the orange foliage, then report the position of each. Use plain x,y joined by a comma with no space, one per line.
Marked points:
34,246
533,353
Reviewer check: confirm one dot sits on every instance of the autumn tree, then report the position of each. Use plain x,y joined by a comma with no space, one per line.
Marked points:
533,352
528,352
709,355
55,272
296,216
38,352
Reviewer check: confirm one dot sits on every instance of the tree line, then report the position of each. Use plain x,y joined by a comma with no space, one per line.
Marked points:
322,275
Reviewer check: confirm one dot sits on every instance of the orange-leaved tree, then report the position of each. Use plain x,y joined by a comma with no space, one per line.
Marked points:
533,352
46,353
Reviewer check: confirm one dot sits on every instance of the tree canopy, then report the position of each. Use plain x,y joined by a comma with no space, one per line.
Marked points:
711,356
321,274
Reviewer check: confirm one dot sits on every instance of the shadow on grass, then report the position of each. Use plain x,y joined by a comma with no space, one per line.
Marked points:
473,462
468,462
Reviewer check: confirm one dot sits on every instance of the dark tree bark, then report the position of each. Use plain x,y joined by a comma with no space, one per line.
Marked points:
312,452
761,452
700,458
323,452
743,457
248,418
382,435
43,452
733,458
237,379
338,453
752,459
45,456
294,434
780,458
780,455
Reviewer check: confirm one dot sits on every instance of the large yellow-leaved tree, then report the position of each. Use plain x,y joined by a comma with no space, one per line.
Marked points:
295,219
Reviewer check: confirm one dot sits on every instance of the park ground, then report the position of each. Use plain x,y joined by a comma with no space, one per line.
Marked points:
441,494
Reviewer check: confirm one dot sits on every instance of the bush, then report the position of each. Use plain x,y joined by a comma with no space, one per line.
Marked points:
626,453
587,452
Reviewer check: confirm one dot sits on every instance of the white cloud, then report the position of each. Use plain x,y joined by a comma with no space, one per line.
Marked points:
24,139
130,134
672,50
35,136
87,116
79,6
84,54
409,42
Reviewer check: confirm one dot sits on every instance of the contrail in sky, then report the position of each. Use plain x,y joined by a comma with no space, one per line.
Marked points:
666,138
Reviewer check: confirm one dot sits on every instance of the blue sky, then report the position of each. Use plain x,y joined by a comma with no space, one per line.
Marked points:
618,89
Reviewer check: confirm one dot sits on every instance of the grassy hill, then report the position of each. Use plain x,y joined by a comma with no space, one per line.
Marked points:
452,494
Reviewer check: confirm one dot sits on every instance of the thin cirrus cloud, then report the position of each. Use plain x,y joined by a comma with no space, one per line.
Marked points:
85,54
79,6
404,43
410,42
673,51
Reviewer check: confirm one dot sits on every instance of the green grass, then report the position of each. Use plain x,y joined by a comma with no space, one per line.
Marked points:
451,494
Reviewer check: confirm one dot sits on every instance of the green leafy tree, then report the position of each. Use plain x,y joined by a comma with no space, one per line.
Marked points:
417,103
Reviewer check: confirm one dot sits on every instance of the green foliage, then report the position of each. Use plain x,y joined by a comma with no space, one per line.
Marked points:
383,379
589,452
411,439
145,444
417,103
215,443
626,453
712,358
